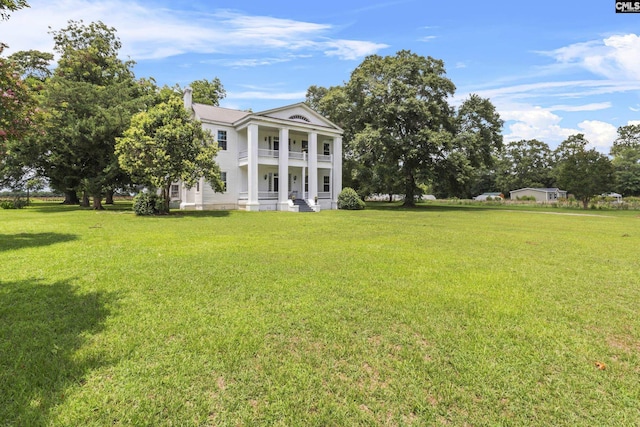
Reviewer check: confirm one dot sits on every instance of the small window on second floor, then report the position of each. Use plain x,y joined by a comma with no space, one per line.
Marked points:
223,178
222,139
327,149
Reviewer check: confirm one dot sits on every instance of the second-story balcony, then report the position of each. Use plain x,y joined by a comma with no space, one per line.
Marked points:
267,156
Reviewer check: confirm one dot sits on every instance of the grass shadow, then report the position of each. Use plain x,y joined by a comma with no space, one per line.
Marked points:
58,207
29,240
428,207
42,327
177,214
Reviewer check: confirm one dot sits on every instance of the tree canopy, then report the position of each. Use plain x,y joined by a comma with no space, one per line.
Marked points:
400,129
524,163
18,117
208,92
584,172
165,145
88,102
7,6
626,160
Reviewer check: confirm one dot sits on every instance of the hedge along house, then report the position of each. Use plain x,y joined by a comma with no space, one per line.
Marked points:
540,194
288,158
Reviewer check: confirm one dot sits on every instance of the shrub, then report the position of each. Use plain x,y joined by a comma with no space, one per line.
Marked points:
349,199
7,204
148,204
13,204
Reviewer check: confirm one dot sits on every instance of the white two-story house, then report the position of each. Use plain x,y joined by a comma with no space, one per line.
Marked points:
271,160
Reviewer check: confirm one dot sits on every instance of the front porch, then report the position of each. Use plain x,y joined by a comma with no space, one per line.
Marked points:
275,193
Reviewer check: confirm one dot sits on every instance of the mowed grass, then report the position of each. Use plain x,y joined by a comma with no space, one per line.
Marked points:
431,316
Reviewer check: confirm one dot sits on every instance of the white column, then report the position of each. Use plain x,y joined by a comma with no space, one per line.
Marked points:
336,181
313,166
283,170
183,195
252,168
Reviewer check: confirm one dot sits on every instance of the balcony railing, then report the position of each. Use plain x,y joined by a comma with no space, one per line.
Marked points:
324,195
262,195
268,153
294,155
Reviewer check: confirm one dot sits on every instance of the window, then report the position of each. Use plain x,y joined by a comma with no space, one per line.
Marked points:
306,183
175,191
327,149
305,146
326,184
222,139
198,186
223,178
276,143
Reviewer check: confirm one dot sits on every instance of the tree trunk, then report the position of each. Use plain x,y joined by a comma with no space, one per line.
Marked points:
85,200
109,197
97,203
410,190
390,197
585,203
70,198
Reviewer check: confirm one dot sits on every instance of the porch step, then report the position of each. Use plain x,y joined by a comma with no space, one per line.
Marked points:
302,205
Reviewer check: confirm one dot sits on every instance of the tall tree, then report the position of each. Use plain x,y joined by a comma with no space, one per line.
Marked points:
524,163
18,115
583,172
400,126
88,102
473,147
165,145
626,160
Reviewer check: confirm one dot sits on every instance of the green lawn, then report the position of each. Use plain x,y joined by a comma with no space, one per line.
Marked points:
433,316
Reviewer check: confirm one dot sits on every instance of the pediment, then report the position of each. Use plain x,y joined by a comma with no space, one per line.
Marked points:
299,113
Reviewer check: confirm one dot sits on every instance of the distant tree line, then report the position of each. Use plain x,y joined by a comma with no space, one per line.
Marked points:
402,137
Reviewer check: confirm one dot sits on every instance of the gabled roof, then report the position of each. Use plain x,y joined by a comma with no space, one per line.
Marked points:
300,113
211,113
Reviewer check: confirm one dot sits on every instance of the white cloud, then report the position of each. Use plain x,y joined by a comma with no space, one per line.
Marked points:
427,38
350,49
616,57
153,32
534,122
595,106
599,134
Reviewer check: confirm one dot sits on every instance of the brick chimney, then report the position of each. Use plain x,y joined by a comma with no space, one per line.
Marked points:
188,98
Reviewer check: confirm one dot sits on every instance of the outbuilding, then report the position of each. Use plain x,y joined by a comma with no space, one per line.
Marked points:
540,194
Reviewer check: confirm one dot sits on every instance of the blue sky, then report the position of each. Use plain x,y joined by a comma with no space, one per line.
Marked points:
551,68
